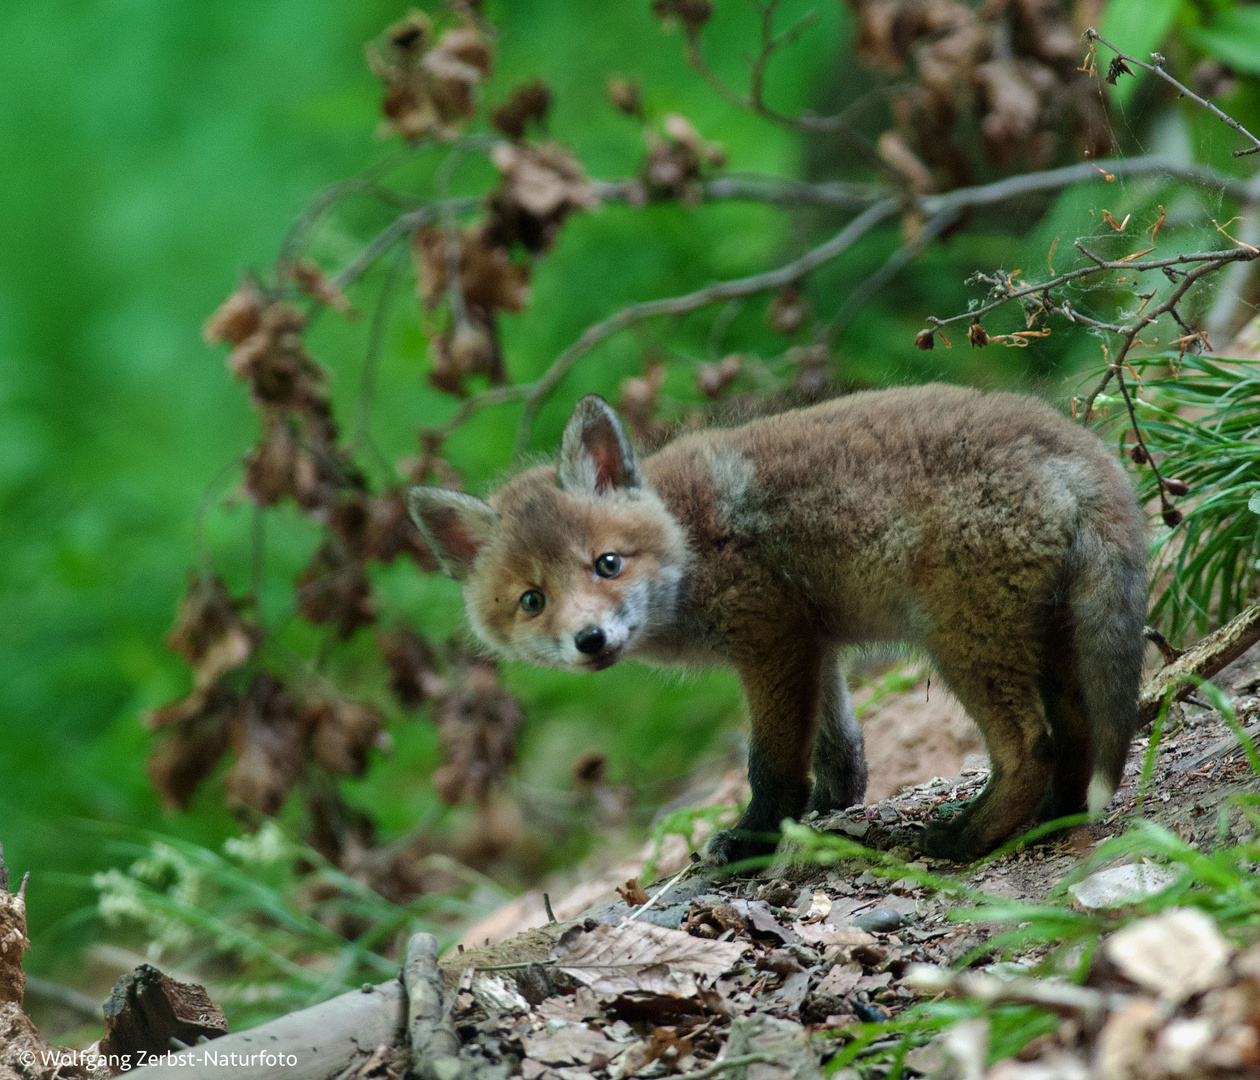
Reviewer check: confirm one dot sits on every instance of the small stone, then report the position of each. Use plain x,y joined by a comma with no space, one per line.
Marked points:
880,921
1175,954
1120,886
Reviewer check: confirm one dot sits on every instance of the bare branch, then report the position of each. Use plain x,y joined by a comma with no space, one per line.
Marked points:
726,290
1212,654
1158,67
534,394
930,230
754,101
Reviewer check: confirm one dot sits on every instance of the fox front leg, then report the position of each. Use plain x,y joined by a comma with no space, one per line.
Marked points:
784,689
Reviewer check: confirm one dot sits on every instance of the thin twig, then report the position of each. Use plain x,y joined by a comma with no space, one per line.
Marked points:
754,101
1158,67
663,890
725,290
372,358
929,231
723,1065
1215,259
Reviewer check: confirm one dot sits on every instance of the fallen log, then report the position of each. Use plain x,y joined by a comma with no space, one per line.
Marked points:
313,1044
1211,655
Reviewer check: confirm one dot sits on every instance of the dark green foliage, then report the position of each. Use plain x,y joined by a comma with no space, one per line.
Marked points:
1203,422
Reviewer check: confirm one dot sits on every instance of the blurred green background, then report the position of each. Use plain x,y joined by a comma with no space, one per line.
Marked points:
151,150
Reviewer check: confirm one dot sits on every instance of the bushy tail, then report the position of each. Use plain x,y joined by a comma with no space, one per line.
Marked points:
1107,596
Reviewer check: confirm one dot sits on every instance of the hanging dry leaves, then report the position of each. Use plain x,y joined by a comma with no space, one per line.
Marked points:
469,348
638,403
342,733
429,88
308,277
1013,64
626,96
488,278
675,159
813,372
1014,97
334,589
413,675
529,104
693,14
389,532
713,379
788,309
541,186
190,752
478,720
266,735
209,632
237,317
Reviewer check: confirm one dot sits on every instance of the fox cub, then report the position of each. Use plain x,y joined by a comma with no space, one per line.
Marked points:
985,530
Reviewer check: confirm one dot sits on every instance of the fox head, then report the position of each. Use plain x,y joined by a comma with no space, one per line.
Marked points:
568,565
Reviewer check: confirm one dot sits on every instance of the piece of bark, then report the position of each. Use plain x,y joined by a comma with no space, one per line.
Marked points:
1211,655
13,941
434,1043
25,1055
315,1044
147,1010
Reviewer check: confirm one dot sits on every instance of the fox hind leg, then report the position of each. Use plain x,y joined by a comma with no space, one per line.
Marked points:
1069,728
1007,707
839,758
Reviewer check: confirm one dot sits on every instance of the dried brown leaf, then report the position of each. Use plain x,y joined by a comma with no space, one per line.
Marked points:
342,733
334,589
209,632
308,277
413,675
637,957
633,893
528,104
478,720
266,735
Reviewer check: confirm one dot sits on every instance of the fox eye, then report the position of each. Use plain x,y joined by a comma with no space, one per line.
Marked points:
608,565
533,602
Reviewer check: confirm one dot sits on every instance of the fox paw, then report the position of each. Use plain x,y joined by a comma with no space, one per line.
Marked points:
954,841
732,846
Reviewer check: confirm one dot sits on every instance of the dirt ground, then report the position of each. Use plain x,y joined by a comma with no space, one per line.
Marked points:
828,947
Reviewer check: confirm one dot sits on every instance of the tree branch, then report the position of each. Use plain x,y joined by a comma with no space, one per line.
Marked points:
1211,655
679,305
1158,67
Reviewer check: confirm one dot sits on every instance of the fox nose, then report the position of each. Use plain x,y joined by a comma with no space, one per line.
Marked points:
589,641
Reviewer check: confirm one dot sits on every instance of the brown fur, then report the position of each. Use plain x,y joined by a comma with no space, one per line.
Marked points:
985,530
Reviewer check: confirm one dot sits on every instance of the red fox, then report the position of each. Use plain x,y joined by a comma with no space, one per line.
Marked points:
987,531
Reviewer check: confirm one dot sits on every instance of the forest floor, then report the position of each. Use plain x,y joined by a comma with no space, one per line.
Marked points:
713,969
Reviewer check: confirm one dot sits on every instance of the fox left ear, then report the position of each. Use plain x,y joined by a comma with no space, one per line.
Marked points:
454,525
595,455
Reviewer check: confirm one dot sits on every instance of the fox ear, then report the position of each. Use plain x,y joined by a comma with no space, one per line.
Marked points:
596,456
453,524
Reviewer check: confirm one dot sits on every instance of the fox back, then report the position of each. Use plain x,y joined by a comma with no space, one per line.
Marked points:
987,531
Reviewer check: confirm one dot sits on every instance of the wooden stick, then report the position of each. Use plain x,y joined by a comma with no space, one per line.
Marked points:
1215,652
434,1044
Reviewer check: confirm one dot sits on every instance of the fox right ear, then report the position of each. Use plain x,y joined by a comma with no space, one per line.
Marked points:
595,454
454,525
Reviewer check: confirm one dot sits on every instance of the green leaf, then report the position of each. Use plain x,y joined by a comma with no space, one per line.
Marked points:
1136,27
1234,37
1253,504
